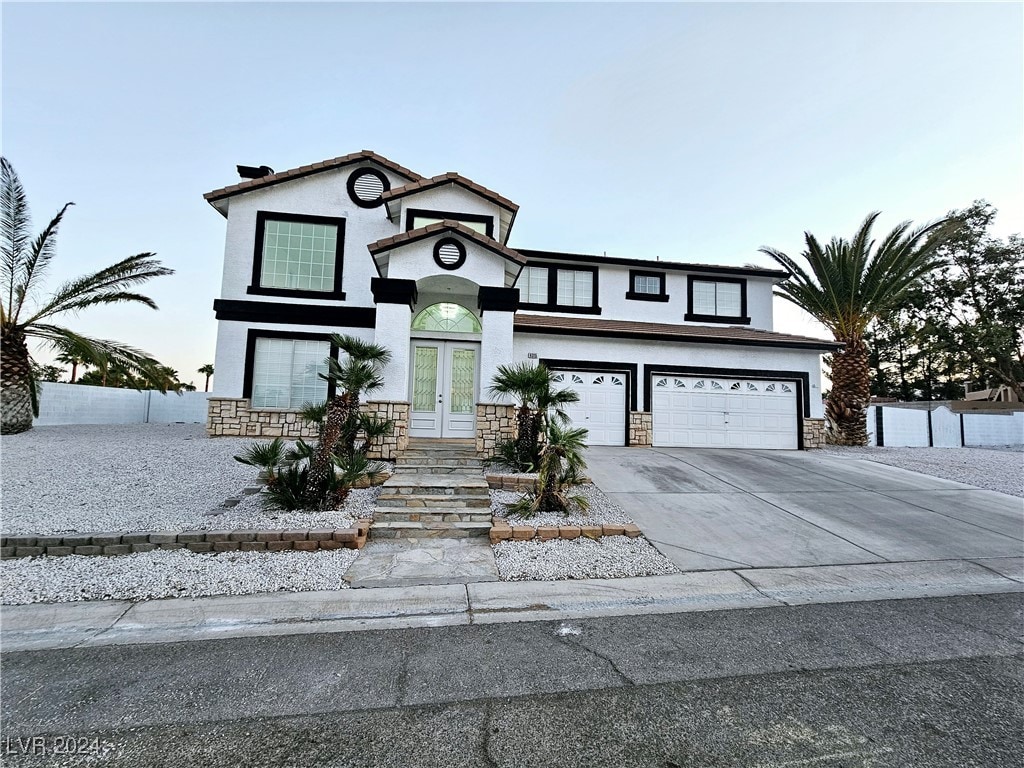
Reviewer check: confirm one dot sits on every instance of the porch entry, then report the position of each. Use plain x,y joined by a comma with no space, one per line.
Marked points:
444,388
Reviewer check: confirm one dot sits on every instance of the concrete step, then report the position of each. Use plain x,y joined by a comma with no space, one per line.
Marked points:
393,515
428,530
435,457
436,485
434,470
442,501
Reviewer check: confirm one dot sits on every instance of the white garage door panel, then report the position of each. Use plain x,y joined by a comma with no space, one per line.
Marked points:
602,405
716,412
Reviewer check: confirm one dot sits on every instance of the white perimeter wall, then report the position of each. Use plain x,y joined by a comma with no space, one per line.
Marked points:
906,427
82,404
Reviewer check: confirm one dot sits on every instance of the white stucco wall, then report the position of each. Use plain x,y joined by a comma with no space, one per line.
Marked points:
231,341
584,349
416,260
450,198
613,283
322,194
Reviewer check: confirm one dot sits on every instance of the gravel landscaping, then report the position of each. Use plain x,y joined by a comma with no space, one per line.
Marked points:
602,509
995,469
170,573
610,557
139,477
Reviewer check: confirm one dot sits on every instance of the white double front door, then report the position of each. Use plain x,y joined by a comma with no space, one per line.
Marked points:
444,388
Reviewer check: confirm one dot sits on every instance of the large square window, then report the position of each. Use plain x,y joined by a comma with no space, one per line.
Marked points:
285,372
298,255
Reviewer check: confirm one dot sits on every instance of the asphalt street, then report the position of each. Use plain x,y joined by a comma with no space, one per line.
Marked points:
930,682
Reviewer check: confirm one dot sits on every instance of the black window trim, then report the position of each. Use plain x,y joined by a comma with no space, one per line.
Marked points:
475,218
552,304
257,259
250,358
634,295
742,319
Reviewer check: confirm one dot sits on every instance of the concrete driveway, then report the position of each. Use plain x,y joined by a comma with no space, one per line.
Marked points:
710,509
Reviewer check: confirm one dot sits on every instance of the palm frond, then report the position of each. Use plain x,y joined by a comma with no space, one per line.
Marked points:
33,267
109,285
15,230
363,351
102,352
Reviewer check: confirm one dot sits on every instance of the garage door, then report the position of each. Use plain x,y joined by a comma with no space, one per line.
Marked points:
602,405
713,412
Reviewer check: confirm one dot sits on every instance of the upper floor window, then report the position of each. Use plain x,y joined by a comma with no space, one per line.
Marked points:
717,301
646,286
416,218
533,285
575,288
553,288
298,255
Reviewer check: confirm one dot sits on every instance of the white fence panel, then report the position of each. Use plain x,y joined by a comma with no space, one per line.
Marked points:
189,407
905,427
82,404
872,437
994,428
945,428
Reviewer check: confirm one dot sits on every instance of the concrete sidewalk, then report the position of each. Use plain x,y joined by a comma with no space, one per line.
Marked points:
89,624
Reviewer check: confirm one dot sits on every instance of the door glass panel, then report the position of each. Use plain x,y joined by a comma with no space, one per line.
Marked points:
424,381
463,378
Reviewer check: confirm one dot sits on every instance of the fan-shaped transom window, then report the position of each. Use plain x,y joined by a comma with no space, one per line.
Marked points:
751,387
786,388
715,385
448,317
599,380
770,388
559,378
734,386
661,383
699,384
576,379
679,383
616,381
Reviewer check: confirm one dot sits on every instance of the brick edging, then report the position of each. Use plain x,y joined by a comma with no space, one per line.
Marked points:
502,531
248,540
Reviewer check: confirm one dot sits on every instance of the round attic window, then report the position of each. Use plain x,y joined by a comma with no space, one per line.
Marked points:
449,253
366,186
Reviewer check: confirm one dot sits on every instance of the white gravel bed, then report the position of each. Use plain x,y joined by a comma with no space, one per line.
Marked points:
610,557
139,477
602,509
251,512
170,573
995,469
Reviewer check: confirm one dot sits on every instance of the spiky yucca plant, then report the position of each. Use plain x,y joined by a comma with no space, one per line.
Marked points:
561,466
25,315
850,283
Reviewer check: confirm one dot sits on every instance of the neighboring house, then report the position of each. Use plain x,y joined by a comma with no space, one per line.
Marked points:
661,353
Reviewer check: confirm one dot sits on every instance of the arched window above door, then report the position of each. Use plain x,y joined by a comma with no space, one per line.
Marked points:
452,318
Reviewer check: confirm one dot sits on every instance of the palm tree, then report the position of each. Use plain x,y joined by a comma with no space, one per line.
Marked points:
25,315
533,387
850,283
208,370
74,360
360,372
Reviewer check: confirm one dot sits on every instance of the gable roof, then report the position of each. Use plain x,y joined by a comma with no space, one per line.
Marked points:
449,178
593,326
309,170
448,225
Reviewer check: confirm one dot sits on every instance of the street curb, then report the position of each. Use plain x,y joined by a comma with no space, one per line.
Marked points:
101,623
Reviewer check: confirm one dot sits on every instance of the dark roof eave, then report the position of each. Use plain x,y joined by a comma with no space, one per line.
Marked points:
432,230
827,346
677,266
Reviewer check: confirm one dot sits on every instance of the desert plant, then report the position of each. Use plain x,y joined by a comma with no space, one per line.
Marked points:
538,403
25,315
269,457
851,283
357,373
561,466
206,370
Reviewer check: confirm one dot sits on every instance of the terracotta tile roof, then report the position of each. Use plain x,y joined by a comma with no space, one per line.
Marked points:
449,178
307,170
448,225
593,326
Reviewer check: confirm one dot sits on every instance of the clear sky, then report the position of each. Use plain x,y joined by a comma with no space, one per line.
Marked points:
693,132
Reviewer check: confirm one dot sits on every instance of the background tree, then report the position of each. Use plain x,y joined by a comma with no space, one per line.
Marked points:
975,302
850,284
207,370
74,360
24,314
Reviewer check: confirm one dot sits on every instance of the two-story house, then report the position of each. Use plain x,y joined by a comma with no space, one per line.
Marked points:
661,353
